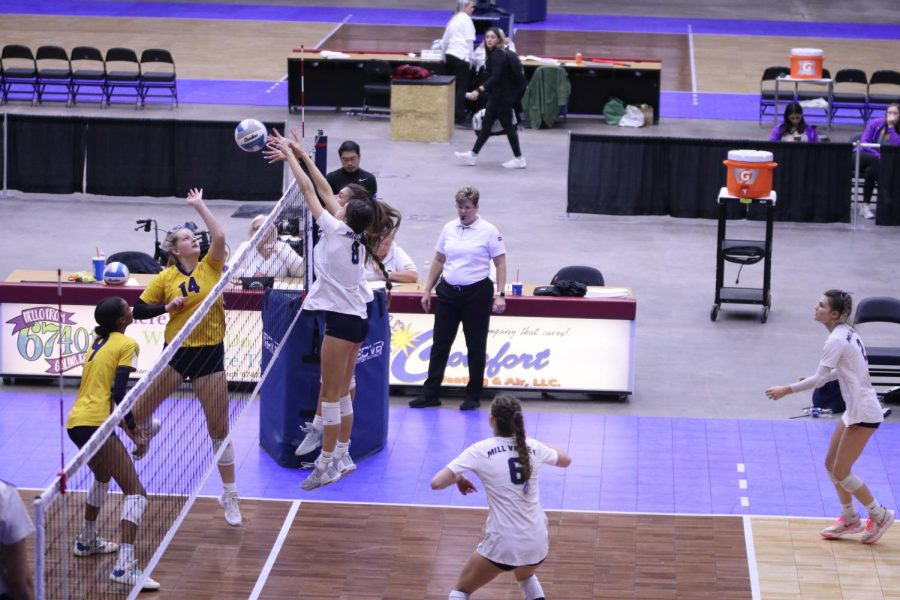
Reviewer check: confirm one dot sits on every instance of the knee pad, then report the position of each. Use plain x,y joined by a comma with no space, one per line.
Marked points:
346,405
97,494
833,479
531,588
227,458
331,413
133,508
851,483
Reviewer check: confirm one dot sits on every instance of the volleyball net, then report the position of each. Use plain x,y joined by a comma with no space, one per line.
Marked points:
70,560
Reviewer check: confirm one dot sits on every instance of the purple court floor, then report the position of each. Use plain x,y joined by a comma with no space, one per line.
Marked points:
620,463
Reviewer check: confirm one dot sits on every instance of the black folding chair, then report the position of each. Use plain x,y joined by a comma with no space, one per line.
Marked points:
19,73
158,73
887,89
767,89
123,75
88,74
851,92
54,73
376,86
884,361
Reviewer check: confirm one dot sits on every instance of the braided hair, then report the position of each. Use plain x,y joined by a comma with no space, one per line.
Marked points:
840,301
107,314
508,422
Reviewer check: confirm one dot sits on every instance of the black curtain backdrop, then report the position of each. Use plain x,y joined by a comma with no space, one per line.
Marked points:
136,157
887,210
45,155
682,177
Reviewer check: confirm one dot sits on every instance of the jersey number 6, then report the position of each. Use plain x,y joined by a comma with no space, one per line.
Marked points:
516,473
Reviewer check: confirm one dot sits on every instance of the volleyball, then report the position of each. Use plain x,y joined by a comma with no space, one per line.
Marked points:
250,135
115,274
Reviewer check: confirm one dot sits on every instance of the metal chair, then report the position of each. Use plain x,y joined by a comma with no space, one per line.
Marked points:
851,92
19,72
582,274
158,73
887,90
767,89
54,70
123,75
88,71
376,85
884,361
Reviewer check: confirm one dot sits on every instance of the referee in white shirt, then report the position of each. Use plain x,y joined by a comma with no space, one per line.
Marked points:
457,45
465,294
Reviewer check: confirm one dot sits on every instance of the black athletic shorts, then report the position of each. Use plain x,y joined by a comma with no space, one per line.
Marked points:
868,425
504,567
81,434
346,327
196,361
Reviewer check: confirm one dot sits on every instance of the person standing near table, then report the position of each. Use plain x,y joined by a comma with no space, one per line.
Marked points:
16,577
882,131
465,294
457,45
350,172
844,359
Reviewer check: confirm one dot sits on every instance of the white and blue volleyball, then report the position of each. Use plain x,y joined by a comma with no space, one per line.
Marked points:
250,135
115,274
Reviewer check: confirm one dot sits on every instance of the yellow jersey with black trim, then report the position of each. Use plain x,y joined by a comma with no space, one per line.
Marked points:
93,404
193,287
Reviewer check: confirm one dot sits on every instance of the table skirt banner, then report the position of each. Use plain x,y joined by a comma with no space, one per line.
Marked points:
618,175
888,206
524,352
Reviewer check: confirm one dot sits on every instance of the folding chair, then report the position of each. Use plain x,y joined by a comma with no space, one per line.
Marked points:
887,90
88,72
158,73
767,91
19,72
376,86
54,71
884,361
123,75
851,92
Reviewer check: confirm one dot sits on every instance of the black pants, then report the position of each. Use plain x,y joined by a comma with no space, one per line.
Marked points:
868,170
462,70
471,306
502,111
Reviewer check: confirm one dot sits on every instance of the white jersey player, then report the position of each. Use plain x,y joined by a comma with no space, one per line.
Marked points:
844,359
508,465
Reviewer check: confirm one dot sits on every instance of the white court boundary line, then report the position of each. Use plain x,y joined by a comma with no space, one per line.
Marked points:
318,45
276,550
751,558
694,98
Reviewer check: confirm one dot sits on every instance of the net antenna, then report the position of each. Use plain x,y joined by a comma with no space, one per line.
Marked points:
182,457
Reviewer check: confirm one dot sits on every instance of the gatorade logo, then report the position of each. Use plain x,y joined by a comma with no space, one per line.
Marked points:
806,67
745,176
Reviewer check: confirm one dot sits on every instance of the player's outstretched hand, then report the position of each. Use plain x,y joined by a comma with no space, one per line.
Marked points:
465,486
195,196
778,392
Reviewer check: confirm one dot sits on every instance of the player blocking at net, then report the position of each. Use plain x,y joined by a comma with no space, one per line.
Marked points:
348,237
179,290
109,361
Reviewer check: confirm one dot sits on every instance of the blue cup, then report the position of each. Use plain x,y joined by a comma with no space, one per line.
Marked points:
517,289
99,267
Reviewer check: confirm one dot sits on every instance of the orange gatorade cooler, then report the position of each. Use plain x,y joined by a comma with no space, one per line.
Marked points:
806,63
749,173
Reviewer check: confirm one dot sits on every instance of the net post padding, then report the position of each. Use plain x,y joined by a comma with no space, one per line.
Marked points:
43,505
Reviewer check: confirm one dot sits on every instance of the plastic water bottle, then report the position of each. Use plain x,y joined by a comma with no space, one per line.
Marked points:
818,413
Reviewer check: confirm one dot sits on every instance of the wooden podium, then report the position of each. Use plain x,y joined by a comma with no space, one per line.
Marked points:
422,109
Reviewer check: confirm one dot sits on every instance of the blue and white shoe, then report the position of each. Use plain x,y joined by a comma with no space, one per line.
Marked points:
95,546
129,574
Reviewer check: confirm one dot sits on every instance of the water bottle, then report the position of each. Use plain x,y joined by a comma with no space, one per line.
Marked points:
818,413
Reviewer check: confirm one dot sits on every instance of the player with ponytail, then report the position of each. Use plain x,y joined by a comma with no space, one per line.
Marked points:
515,534
108,363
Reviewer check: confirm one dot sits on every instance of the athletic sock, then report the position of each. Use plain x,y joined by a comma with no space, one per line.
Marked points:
848,511
324,460
126,554
318,423
455,595
531,588
88,530
876,510
341,448
230,488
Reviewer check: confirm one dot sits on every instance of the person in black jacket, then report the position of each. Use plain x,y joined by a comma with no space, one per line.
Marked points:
503,94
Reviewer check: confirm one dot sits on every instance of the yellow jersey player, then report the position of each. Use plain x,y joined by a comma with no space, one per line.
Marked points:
178,290
109,361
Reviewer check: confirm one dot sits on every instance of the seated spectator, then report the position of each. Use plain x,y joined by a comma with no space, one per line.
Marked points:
398,264
878,131
16,577
794,128
270,257
350,171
